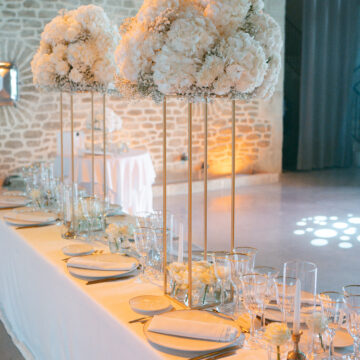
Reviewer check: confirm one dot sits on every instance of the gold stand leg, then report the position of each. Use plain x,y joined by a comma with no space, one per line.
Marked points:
104,142
205,178
92,147
233,176
62,138
164,197
190,204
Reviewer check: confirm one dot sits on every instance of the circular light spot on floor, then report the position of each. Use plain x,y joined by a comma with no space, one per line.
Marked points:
333,218
325,233
310,218
345,245
301,223
344,238
354,220
350,215
320,218
358,238
350,231
319,242
309,229
299,232
322,223
340,225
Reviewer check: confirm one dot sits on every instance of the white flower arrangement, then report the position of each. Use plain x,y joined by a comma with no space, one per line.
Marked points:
76,51
277,334
199,49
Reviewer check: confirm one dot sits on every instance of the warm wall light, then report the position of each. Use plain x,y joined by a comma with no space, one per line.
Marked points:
8,83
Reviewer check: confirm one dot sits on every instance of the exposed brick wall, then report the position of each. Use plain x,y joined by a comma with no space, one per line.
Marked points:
28,131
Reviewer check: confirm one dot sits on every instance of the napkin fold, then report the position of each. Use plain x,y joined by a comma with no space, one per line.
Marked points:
35,217
192,329
111,262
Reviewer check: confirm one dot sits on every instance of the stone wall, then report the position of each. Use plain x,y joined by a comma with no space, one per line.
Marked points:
28,132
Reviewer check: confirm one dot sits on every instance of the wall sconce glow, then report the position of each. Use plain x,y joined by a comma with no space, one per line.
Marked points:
340,225
345,245
319,242
344,238
325,233
8,83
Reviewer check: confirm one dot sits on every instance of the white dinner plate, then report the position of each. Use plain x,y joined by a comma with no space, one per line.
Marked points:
7,201
77,249
86,274
274,314
150,304
342,338
29,217
183,344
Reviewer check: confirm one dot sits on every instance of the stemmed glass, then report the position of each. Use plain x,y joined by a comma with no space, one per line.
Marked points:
222,268
249,251
253,292
144,240
353,323
271,292
351,290
333,307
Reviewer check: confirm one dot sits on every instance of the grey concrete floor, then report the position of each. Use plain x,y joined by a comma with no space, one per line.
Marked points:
281,220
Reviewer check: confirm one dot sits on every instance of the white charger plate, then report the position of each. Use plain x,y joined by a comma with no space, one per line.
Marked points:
26,222
150,304
183,344
77,249
10,202
86,274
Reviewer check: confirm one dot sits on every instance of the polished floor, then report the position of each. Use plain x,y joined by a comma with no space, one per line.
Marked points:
313,216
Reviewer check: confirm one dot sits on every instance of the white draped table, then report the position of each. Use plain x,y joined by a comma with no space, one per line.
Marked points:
129,176
52,315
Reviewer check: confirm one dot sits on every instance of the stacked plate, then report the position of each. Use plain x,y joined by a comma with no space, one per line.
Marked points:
12,201
27,218
189,331
102,266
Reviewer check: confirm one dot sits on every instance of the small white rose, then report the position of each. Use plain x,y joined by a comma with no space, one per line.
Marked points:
277,334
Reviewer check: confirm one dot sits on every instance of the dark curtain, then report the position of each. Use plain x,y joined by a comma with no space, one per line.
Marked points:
329,50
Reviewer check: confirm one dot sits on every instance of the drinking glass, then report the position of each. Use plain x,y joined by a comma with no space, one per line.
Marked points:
253,292
143,219
351,290
144,240
271,292
249,251
222,268
333,307
305,274
286,287
353,323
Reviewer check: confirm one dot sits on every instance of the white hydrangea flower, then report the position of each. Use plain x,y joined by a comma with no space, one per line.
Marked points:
75,75
62,68
212,68
246,62
257,5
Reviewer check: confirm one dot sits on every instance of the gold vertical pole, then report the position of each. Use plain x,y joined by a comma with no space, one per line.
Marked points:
190,204
104,142
72,164
205,177
61,137
164,196
92,147
233,176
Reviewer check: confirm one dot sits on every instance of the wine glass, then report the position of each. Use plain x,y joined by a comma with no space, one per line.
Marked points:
353,323
144,240
222,268
271,293
253,292
249,251
333,307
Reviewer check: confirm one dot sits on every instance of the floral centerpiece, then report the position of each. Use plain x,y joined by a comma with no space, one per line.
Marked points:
277,335
118,236
76,51
203,277
199,49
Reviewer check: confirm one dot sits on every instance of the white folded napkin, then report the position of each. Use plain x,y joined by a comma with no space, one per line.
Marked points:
111,262
192,329
35,217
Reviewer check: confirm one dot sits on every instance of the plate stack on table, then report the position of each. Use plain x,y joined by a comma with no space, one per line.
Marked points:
27,218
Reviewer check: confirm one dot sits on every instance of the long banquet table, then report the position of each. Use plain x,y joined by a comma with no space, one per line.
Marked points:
52,315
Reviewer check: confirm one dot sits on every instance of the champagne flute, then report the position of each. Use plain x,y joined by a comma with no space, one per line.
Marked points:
144,240
353,323
333,307
222,268
253,290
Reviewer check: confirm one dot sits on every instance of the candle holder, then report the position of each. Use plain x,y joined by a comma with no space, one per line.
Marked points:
296,354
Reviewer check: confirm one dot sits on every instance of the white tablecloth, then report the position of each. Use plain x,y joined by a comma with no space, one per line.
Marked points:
51,315
129,177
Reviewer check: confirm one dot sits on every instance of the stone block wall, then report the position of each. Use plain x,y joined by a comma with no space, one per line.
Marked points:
28,132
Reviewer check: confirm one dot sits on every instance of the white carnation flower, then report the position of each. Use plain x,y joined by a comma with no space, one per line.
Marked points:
257,5
82,52
75,75
150,9
62,68
101,70
212,68
43,69
223,85
73,31
54,31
